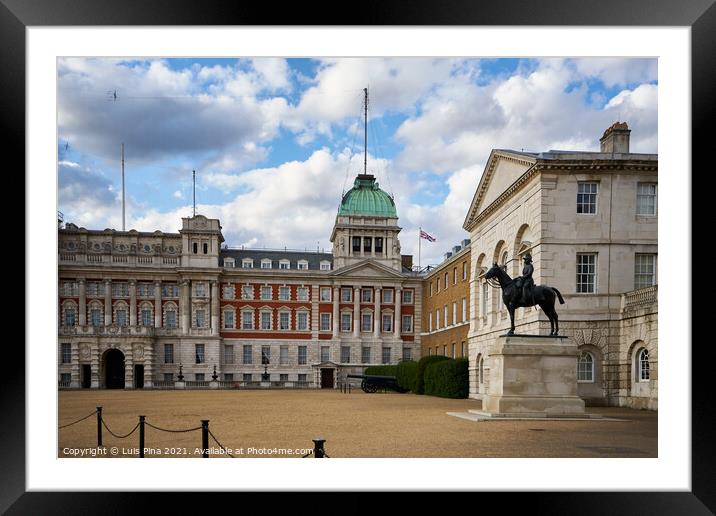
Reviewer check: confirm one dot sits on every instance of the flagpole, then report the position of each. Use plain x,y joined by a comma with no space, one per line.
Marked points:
420,231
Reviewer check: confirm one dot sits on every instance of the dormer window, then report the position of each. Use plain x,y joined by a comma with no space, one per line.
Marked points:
284,264
325,266
266,263
229,262
302,264
247,263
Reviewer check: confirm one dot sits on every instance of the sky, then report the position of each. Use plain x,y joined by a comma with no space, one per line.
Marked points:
276,142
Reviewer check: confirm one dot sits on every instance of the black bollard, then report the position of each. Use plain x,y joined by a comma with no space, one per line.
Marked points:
141,437
99,427
318,451
205,438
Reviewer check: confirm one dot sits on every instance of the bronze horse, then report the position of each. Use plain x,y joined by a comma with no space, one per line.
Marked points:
542,295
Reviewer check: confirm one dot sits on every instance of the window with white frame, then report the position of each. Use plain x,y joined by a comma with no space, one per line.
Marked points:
646,199
464,270
407,353
229,263
144,290
168,353
445,316
302,265
284,320
247,263
248,357
229,292
430,321
66,349
586,273
228,354
644,270
121,289
266,317
387,322
345,354
229,322
585,367
366,295
284,293
170,290
284,264
265,355
346,319
445,286
302,293
365,355
346,295
325,353
302,355
94,289
464,309
199,352
325,266
247,320
247,292
386,355
407,324
266,292
325,321
70,289
454,312
587,197
437,319
454,275
407,297
366,324
387,295
302,321
266,263
431,289
200,289
200,318
325,294
642,365
283,355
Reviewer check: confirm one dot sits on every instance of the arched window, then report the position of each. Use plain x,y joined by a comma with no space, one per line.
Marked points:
585,367
481,372
642,365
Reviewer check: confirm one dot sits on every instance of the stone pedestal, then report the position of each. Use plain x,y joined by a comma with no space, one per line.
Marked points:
532,376
180,385
213,384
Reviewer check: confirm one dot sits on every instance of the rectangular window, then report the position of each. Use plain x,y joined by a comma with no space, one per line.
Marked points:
437,319
386,355
228,319
646,199
462,349
265,292
445,286
387,322
229,292
199,349
356,244
346,295
283,320
431,289
407,324
121,317
248,355
283,377
464,270
168,377
345,354
168,353
437,284
200,290
325,266
200,319
302,265
445,316
387,295
453,350
325,294
407,297
454,313
407,354
302,355
365,355
283,355
586,273
229,377
70,317
284,265
229,263
485,291
325,321
302,294
265,264
247,320
170,290
346,318
171,319
247,264
96,317
70,289
366,322
228,354
284,293
199,377
302,321
367,244
247,377
430,321
378,245
454,275
325,353
247,292
587,198
122,289
147,317
265,320
265,355
464,309
366,295
302,378
66,352
644,270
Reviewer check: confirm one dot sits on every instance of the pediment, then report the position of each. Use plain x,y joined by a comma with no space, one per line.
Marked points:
368,269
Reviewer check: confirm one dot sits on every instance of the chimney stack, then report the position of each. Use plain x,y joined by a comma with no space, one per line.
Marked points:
616,139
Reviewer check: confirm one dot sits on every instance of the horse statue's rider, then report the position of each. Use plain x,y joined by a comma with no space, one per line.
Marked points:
525,283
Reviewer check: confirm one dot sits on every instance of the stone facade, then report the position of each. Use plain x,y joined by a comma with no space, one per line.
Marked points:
589,221
446,305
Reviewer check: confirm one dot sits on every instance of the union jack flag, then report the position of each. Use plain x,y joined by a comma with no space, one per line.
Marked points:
427,237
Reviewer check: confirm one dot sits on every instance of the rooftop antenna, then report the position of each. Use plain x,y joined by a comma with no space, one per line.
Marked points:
123,212
365,132
193,178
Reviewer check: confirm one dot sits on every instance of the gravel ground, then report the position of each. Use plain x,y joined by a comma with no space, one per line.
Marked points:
354,425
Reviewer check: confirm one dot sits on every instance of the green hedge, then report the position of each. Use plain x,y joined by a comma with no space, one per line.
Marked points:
447,378
407,372
420,373
382,370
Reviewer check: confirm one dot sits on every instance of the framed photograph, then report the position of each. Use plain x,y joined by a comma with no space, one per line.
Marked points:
426,251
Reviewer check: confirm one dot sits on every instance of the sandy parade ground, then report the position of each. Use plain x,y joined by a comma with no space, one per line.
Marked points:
282,423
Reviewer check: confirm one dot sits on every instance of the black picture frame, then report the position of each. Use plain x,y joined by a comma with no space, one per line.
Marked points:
700,15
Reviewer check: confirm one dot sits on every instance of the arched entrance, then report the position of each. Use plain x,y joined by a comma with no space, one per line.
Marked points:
113,362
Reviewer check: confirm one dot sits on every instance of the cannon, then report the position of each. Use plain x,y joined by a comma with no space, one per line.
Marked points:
371,383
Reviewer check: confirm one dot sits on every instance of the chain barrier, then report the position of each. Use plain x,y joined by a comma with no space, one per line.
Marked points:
75,422
119,436
308,454
220,445
172,431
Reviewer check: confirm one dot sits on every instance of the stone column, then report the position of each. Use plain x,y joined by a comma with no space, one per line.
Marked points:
83,303
107,302
157,304
184,308
336,315
398,302
132,303
356,311
376,313
215,308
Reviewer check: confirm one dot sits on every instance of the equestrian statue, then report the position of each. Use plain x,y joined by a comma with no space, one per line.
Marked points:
522,292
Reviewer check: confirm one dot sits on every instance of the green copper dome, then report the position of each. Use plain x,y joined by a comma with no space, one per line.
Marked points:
366,198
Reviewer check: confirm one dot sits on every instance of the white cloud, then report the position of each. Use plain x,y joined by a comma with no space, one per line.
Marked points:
178,194
617,71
